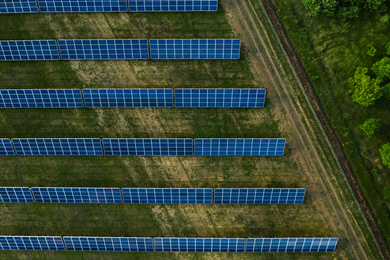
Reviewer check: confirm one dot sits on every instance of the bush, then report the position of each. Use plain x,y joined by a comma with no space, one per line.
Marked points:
370,126
364,89
382,68
388,48
371,49
386,91
385,154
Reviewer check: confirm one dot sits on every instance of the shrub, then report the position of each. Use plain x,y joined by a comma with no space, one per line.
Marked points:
385,154
370,126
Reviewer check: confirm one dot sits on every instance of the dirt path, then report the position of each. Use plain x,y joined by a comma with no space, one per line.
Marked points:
299,135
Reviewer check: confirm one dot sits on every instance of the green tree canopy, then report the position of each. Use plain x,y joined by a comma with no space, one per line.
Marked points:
385,154
382,68
370,126
388,48
364,89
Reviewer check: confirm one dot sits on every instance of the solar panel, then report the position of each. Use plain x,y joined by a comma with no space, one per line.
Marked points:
219,97
40,98
58,146
15,194
128,97
195,49
137,244
259,245
259,196
28,50
50,6
18,6
172,6
103,49
6,147
147,146
77,195
31,243
167,196
239,147
199,245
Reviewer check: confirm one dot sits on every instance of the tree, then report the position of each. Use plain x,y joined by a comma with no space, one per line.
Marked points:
388,48
386,91
385,154
371,49
382,68
370,126
364,89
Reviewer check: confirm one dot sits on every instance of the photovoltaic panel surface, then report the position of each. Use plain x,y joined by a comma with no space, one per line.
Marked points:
82,6
28,50
128,97
257,245
259,196
137,244
239,147
219,97
103,49
15,194
40,98
31,243
172,6
167,196
6,147
195,49
77,195
57,146
146,147
18,6
199,244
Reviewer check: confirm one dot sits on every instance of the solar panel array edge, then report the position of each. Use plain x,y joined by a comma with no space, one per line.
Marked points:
29,50
264,245
16,195
31,243
6,148
63,6
172,6
18,6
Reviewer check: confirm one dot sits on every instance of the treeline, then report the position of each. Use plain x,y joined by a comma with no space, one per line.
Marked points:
344,9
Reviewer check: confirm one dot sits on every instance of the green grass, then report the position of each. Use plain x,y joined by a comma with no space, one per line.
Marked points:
332,50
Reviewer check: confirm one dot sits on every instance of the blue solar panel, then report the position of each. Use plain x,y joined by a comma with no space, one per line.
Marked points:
199,245
258,245
77,195
195,49
259,196
172,6
28,50
40,98
58,146
6,147
18,6
167,196
82,6
219,97
31,243
148,146
15,194
137,244
128,97
239,147
103,49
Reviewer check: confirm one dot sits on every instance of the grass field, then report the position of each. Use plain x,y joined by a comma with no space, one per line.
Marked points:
332,50
329,208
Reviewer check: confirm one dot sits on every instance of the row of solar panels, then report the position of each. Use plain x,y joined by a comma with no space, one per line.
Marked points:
167,244
143,146
151,195
102,49
72,98
52,6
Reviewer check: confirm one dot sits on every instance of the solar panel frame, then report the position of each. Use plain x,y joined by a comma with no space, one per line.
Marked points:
259,196
128,97
15,195
103,49
148,146
237,98
18,6
6,148
173,244
31,243
77,195
172,6
41,98
29,50
195,48
90,6
58,146
167,196
126,244
239,146
262,245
